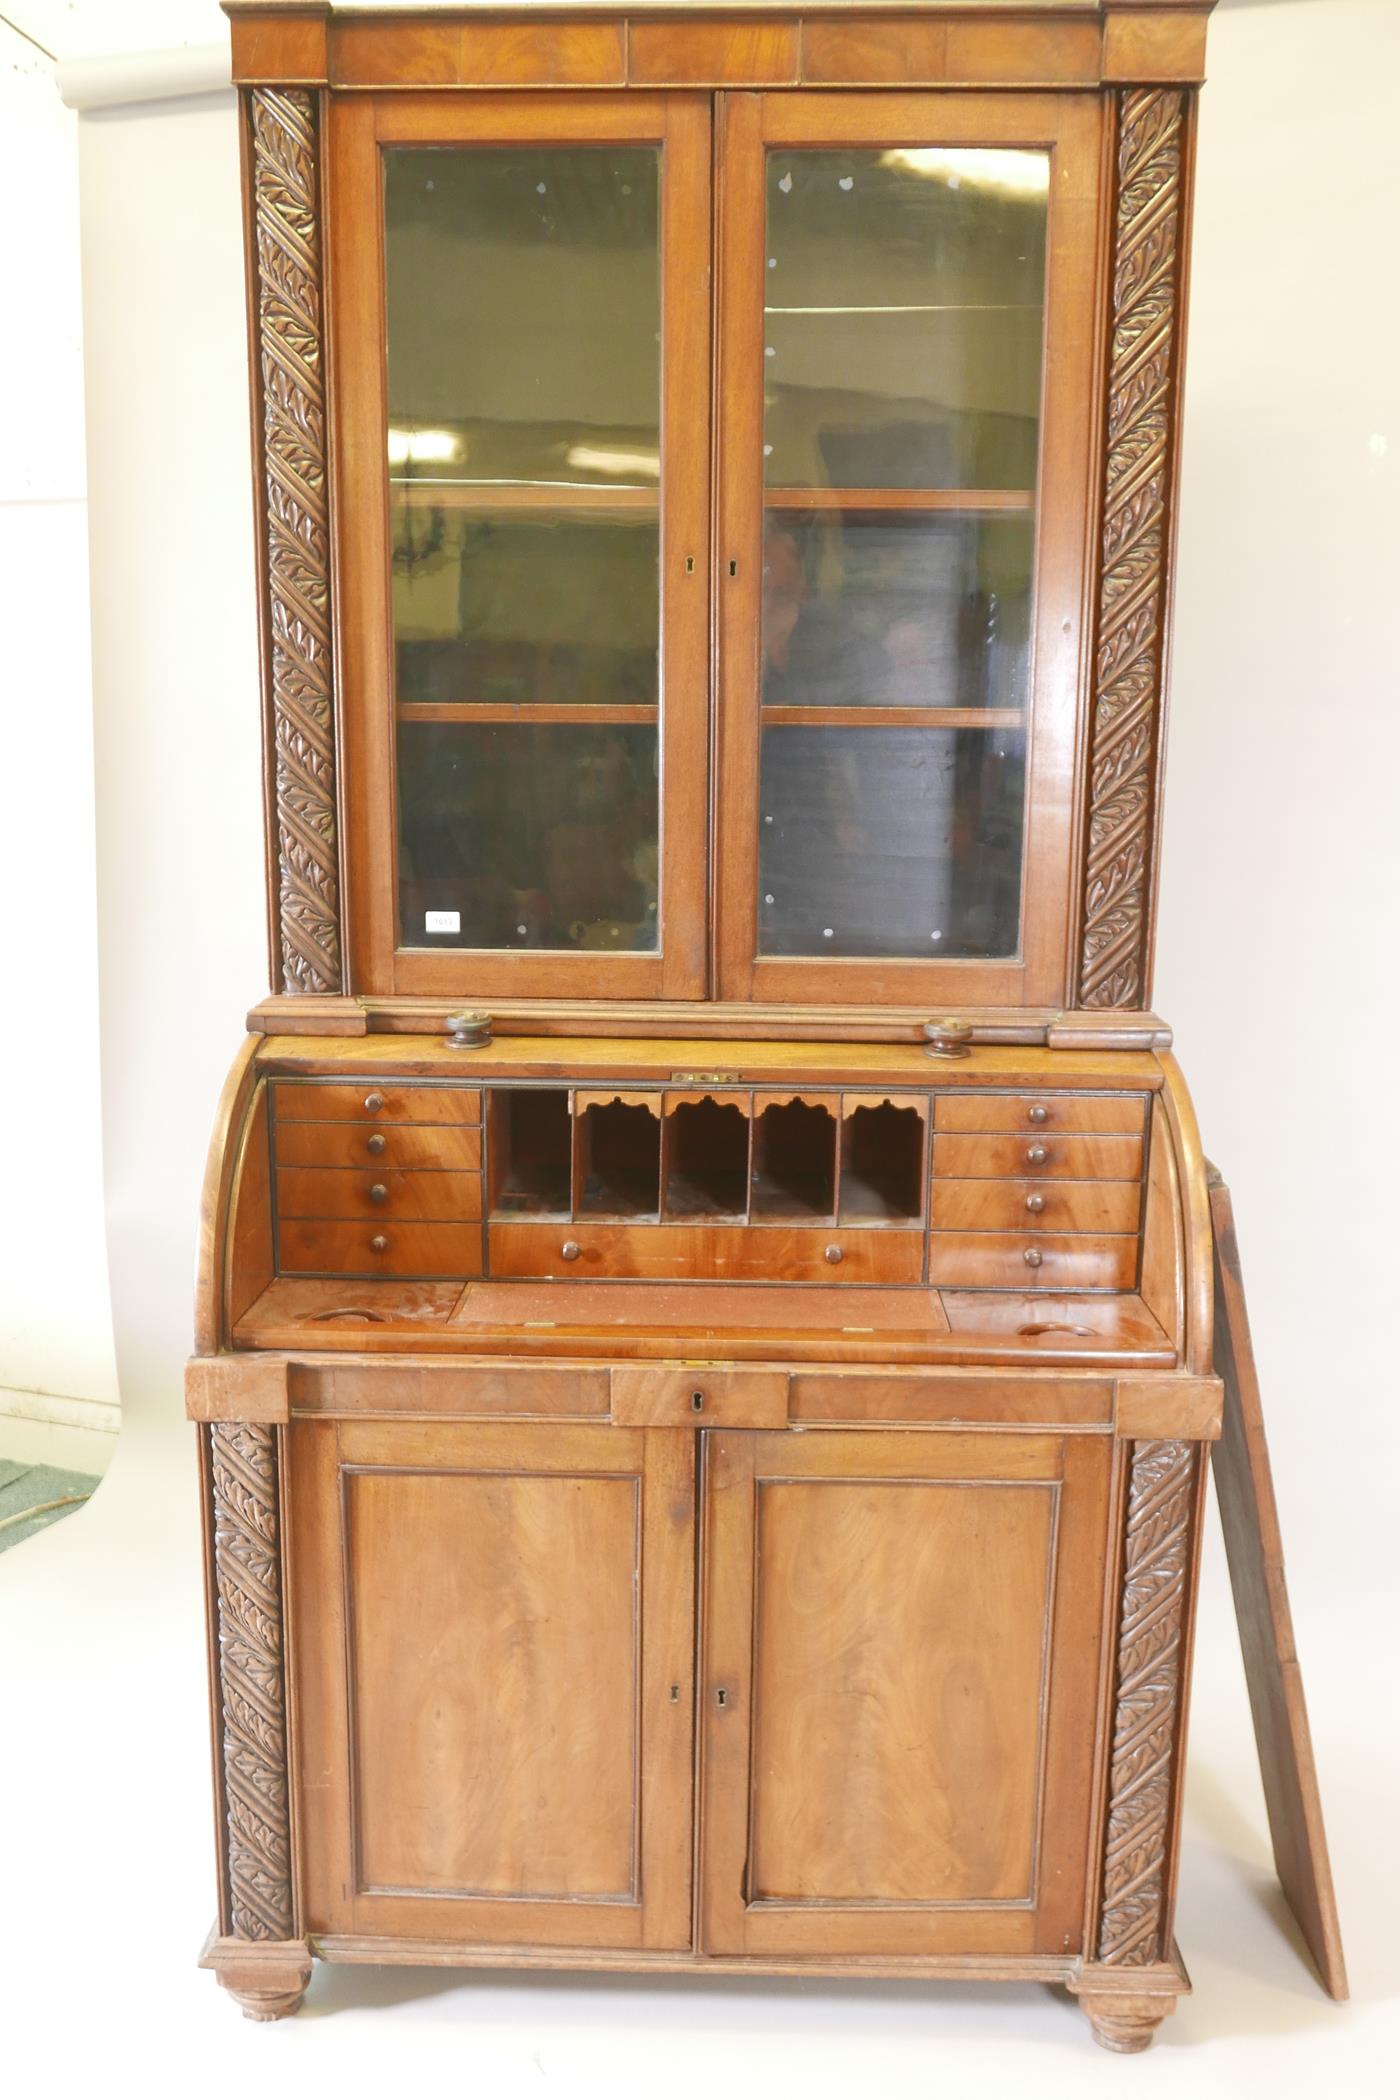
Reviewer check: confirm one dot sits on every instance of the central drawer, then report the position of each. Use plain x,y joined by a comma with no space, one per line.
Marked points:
770,1253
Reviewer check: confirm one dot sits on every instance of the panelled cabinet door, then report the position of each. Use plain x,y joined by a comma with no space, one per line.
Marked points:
492,1657
907,327
522,328
901,1663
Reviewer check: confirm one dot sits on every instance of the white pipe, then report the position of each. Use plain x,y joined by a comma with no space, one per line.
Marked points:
111,79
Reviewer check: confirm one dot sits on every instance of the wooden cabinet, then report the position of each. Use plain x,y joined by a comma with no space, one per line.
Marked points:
704,1329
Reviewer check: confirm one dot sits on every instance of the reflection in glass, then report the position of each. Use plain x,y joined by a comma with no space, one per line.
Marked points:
904,318
525,611
890,842
527,836
896,610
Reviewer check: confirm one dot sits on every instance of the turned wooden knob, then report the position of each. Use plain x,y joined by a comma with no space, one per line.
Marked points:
1038,1114
833,1253
379,1194
379,1244
377,1143
570,1250
1032,1257
1036,1155
469,1031
947,1038
373,1104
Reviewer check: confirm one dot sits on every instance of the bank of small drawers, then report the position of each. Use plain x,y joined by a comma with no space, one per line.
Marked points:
1036,1191
377,1179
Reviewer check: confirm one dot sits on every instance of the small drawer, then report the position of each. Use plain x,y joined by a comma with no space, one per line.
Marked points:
1036,1206
377,1100
699,1253
660,1396
365,1144
318,1247
1090,1113
352,1192
956,1157
1012,1261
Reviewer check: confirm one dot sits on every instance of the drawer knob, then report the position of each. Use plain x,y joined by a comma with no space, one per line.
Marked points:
833,1253
1038,1114
570,1250
1036,1155
1035,1203
377,1142
1032,1257
379,1244
379,1194
469,1031
947,1038
373,1104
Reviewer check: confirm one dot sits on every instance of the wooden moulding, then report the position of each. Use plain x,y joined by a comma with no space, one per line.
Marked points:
1168,1406
243,1388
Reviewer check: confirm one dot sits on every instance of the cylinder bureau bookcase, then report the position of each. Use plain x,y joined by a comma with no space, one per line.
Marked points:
704,1326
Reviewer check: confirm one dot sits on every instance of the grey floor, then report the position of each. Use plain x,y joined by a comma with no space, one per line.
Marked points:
25,1489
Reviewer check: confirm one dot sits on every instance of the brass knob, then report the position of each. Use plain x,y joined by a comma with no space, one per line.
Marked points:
1038,1114
379,1244
947,1038
379,1194
373,1104
1036,1155
1032,1257
1036,1203
470,1031
377,1142
570,1250
833,1253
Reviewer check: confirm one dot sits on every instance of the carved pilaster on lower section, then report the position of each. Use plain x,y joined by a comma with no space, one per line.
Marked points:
1133,1922
267,1977
1125,2007
291,359
252,1693
1138,464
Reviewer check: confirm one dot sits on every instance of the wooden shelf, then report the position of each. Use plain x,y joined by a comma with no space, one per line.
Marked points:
1020,500
493,496
541,714
785,717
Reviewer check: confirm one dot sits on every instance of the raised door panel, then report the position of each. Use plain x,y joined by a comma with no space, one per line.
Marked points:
901,1656
490,1622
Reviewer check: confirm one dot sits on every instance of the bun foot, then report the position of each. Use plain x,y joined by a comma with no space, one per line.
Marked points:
1125,2007
1118,2024
267,1978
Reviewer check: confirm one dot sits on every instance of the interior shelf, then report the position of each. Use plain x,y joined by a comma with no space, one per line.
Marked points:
531,1146
619,1160
707,1160
882,1165
794,1161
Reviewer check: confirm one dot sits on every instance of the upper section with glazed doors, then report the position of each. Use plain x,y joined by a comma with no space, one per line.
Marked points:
713,516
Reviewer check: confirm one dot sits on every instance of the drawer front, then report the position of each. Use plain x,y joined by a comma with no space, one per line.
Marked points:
1013,1261
774,1254
1091,1113
379,1100
660,1396
1036,1206
1052,1158
352,1192
321,1247
366,1145
447,1389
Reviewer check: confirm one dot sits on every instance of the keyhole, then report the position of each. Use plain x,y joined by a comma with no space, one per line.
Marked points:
721,1697
697,1401
690,565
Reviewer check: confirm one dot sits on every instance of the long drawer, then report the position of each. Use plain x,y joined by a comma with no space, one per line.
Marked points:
1036,1206
964,1156
366,1144
779,1254
381,1100
346,1192
332,1247
1085,1113
1011,1261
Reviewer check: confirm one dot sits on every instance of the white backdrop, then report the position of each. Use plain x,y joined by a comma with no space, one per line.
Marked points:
1275,968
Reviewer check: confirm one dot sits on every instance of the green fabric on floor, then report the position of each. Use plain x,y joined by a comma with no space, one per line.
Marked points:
22,1486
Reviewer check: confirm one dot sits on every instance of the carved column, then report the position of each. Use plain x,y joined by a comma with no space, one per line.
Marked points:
259,1960
296,582
1139,464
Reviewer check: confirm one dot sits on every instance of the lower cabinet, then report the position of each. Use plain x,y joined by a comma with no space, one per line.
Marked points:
498,1710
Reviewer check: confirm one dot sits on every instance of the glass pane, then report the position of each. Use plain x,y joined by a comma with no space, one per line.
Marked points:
905,296
903,609
890,842
527,836
524,611
524,474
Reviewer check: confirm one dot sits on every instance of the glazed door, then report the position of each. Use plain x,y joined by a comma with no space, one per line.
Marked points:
902,1637
906,344
521,321
492,1658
